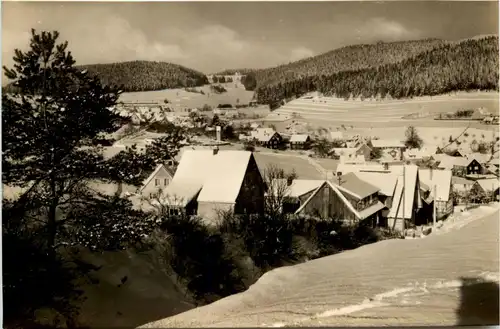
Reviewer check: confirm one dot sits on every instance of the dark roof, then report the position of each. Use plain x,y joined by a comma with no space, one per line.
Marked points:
351,183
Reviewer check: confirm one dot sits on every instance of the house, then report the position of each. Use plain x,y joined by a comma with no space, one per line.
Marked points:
207,182
267,137
300,142
293,193
159,179
418,154
441,181
386,183
461,188
460,166
489,188
347,197
389,148
480,157
352,152
407,199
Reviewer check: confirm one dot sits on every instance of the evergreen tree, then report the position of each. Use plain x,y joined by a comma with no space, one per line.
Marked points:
48,130
413,140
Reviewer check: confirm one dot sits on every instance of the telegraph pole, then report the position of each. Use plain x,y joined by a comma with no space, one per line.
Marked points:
434,208
403,196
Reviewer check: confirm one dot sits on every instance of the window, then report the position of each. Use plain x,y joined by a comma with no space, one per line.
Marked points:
339,173
157,182
165,181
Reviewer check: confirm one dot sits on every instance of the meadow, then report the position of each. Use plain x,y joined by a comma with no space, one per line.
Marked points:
334,112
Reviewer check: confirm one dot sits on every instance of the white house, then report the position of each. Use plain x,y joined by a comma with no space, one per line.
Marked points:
159,179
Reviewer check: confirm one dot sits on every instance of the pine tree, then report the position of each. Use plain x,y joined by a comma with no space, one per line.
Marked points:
48,130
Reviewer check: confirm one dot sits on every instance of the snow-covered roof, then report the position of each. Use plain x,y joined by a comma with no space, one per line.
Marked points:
461,184
300,138
225,176
387,143
440,178
481,158
154,173
343,150
355,186
449,162
386,182
347,168
298,187
263,134
359,214
490,184
189,176
216,177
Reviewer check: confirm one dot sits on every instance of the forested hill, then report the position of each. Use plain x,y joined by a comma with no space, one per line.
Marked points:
142,75
347,58
471,64
145,75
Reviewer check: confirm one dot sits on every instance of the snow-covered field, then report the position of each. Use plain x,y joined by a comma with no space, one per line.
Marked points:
180,100
444,279
331,111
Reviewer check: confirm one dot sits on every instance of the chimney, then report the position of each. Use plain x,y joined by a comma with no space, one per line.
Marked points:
216,150
218,133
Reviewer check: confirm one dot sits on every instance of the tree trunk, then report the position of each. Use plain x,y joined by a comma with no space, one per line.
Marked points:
51,220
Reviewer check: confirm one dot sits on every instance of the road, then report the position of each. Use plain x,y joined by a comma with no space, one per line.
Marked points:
445,279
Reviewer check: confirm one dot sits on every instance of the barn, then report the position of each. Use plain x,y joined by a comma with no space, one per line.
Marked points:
349,199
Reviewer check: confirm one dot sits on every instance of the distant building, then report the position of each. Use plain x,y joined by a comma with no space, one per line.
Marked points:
390,148
267,137
487,187
461,166
352,152
300,142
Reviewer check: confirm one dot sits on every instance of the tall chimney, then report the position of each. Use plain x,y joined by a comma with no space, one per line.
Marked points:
218,133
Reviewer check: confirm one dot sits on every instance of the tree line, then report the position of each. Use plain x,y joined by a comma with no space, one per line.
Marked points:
468,65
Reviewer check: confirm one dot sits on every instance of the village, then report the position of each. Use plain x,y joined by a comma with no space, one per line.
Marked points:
351,177
250,164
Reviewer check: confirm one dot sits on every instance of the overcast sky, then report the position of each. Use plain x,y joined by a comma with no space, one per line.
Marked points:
213,36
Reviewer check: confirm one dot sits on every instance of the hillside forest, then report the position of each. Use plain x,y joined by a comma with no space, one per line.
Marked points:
468,65
143,76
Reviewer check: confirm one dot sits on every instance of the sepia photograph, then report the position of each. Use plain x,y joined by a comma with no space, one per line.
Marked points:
250,164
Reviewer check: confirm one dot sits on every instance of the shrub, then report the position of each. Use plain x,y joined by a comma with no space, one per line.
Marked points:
200,258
